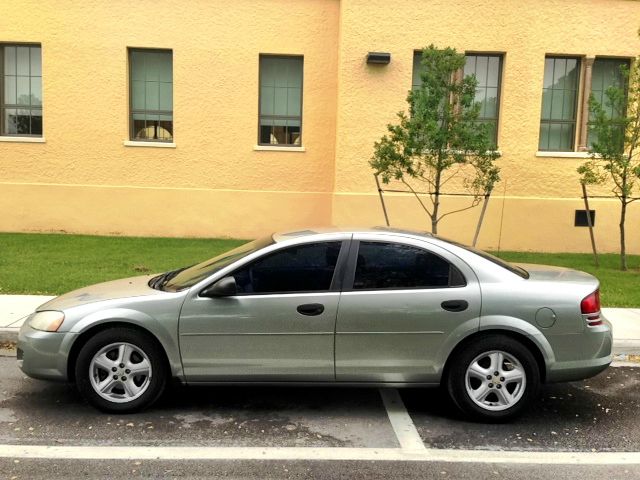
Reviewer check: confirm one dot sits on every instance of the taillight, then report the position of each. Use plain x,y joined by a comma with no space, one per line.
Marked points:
590,307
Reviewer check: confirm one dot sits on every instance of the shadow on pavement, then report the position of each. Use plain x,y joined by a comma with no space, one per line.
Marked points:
596,414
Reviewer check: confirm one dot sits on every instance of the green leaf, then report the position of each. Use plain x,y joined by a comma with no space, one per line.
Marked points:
440,134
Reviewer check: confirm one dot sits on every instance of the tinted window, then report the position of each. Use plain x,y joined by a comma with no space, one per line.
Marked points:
521,272
393,265
303,268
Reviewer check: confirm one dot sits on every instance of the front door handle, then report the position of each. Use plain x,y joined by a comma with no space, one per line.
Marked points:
311,309
455,305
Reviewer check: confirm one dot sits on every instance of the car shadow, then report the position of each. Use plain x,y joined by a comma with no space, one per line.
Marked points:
599,413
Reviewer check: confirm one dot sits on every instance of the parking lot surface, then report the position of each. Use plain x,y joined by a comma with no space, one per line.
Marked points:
583,418
598,414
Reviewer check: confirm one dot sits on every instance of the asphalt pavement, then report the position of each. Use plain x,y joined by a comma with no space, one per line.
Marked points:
585,429
311,469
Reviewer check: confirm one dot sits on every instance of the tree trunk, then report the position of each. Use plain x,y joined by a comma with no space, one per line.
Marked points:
590,223
436,197
434,217
623,253
482,212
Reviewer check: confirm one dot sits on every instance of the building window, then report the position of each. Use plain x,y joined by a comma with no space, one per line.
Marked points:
559,104
21,90
416,80
606,73
280,100
488,71
151,95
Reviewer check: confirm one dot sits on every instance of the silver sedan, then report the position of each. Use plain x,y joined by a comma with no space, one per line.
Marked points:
374,306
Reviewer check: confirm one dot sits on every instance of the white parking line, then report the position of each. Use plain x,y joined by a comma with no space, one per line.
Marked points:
332,453
402,424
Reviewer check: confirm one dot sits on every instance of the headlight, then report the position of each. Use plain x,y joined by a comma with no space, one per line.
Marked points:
47,321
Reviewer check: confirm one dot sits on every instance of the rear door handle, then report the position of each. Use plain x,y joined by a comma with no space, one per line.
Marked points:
455,305
311,309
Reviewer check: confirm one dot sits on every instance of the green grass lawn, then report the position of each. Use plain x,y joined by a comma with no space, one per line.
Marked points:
56,263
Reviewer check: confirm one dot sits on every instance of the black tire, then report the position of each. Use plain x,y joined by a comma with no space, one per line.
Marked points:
154,383
456,381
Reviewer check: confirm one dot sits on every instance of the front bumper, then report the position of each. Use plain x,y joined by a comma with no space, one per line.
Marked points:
43,354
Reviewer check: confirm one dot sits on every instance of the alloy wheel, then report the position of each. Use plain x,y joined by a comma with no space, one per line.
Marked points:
495,380
120,372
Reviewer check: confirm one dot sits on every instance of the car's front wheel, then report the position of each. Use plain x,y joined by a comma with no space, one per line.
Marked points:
493,379
120,370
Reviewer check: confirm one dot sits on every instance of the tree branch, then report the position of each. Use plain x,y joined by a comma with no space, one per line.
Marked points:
417,198
474,204
455,174
425,180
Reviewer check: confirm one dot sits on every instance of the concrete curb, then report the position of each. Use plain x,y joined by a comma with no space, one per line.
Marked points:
626,346
624,360
9,335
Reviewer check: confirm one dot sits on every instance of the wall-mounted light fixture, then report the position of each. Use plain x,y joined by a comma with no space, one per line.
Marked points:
380,58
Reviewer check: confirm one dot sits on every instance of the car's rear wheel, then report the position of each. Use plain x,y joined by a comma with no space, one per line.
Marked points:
120,370
493,379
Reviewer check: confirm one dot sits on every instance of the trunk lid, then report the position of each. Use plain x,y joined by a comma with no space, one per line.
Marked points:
549,273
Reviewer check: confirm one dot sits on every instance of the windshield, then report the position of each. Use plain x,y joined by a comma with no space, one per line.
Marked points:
190,276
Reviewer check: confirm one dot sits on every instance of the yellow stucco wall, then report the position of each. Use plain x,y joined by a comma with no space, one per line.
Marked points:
83,179
542,193
216,45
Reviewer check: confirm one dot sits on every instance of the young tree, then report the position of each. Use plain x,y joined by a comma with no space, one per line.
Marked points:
615,150
440,137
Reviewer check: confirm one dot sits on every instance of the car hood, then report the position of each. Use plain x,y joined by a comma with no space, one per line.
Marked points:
545,273
124,288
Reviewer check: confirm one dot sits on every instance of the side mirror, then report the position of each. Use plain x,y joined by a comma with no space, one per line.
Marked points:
225,287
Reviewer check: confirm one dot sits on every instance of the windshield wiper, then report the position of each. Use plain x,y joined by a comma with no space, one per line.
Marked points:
169,275
162,279
155,281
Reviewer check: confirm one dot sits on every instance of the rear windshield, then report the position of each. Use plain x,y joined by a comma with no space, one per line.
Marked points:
521,272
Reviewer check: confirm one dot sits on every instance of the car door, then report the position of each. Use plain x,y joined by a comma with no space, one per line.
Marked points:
278,327
403,300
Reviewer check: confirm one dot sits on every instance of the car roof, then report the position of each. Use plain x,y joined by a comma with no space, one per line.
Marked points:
489,269
282,236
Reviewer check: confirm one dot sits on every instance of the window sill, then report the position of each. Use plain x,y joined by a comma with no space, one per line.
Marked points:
130,143
564,154
488,152
22,139
277,148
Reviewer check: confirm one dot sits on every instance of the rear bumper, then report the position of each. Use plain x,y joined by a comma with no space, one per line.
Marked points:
42,354
570,371
595,355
